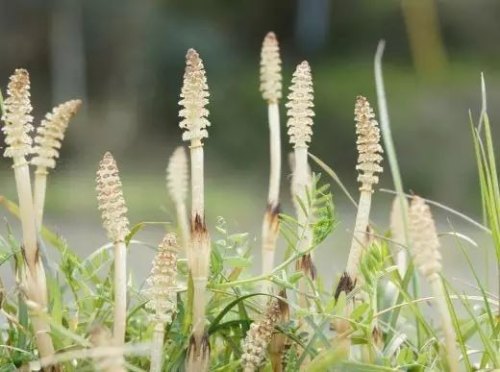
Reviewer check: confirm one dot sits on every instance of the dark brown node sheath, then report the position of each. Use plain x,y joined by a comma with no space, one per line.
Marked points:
306,265
346,284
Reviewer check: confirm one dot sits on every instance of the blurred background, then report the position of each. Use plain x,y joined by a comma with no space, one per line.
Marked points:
125,59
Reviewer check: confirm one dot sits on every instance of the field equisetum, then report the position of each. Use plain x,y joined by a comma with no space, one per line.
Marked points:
202,307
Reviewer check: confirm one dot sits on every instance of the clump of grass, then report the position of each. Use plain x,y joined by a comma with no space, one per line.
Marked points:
219,323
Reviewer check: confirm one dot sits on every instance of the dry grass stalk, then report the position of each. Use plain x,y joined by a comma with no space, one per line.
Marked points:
162,296
17,126
178,185
50,135
427,258
259,336
194,98
300,114
101,337
112,206
270,86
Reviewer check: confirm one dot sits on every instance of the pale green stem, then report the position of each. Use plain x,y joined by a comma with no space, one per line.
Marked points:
301,184
387,136
157,348
275,153
199,257
183,223
120,311
269,235
39,195
26,211
34,279
197,181
359,238
446,323
199,303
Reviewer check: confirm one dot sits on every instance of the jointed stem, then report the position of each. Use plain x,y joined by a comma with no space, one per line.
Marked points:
34,276
120,281
39,195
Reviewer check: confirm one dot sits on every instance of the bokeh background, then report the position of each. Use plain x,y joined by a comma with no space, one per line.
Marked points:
125,59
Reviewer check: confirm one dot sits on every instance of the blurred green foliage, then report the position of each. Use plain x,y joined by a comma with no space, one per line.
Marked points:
126,60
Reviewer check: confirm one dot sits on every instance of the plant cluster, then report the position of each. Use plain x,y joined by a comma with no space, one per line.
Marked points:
201,308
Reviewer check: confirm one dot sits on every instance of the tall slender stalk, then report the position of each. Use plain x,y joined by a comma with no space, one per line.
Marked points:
369,150
300,113
17,125
194,98
177,185
113,209
162,296
49,137
369,157
427,258
270,86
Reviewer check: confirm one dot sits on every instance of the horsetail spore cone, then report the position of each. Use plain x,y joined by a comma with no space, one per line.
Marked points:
162,295
112,206
270,86
16,117
369,158
259,336
50,134
178,185
300,104
270,69
194,98
427,258
17,126
48,142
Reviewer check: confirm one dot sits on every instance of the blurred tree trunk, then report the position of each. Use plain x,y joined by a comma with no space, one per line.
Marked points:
422,26
312,24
